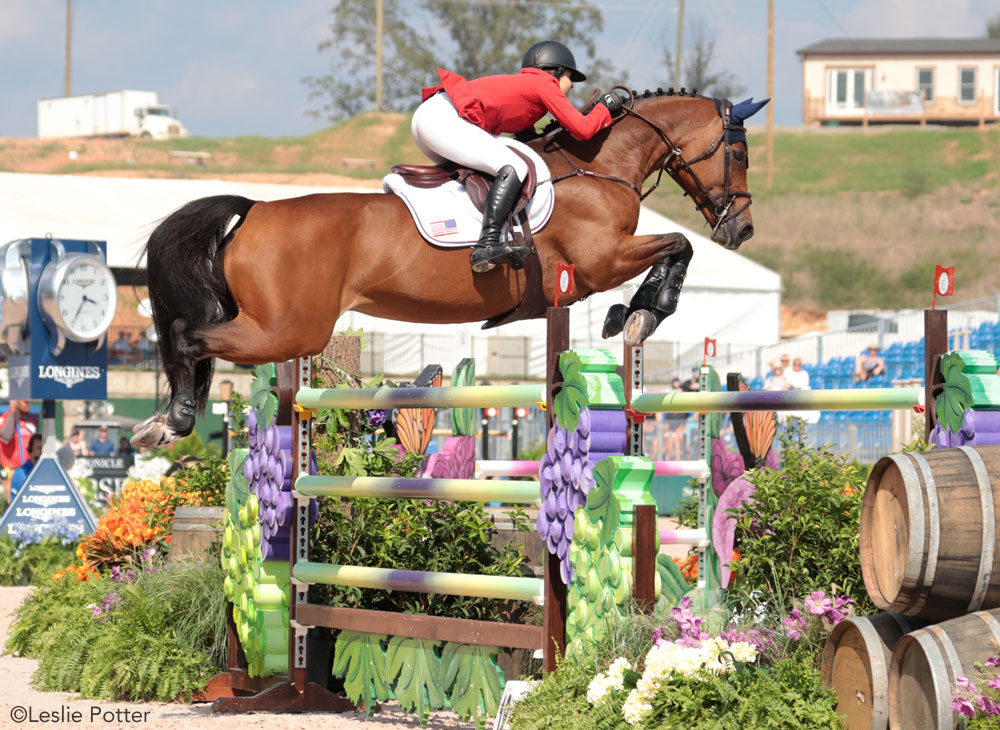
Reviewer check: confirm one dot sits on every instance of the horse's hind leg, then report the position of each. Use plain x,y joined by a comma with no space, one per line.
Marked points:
190,375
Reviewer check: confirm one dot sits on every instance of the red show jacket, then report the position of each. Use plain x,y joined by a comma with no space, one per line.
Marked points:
513,103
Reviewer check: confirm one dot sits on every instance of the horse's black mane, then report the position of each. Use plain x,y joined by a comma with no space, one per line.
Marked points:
554,127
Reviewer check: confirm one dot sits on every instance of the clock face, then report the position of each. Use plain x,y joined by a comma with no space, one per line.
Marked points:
86,299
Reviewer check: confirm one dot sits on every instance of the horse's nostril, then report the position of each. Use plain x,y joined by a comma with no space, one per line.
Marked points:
745,233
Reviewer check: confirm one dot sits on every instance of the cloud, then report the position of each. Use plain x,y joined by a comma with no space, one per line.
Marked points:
915,19
22,18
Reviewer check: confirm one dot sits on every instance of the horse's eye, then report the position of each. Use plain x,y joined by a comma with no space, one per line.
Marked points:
739,155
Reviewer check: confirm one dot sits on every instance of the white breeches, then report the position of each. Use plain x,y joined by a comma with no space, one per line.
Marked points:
444,136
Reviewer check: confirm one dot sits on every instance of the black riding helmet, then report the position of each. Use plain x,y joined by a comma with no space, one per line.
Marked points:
552,54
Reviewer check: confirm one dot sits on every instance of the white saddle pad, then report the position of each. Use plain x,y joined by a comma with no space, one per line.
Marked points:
445,216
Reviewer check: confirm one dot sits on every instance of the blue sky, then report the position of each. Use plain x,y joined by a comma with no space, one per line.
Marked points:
234,68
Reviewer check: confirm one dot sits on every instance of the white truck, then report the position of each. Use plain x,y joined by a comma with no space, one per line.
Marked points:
112,114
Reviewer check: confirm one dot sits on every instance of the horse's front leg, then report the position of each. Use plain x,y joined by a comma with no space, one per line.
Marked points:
657,296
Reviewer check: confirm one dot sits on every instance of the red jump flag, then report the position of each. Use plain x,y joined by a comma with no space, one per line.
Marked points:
944,283
565,284
711,347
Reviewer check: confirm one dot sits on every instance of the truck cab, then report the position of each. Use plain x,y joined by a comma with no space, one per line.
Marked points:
157,121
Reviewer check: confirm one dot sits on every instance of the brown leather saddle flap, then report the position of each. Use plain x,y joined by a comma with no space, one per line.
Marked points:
476,183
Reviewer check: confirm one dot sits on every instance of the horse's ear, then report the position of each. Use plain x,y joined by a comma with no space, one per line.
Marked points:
747,108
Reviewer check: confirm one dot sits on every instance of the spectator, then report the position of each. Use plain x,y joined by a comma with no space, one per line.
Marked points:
674,425
101,446
869,365
124,447
145,347
65,455
797,378
118,351
692,384
776,380
77,443
14,440
22,472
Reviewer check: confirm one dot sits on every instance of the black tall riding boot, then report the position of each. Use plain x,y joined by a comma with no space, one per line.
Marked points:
489,252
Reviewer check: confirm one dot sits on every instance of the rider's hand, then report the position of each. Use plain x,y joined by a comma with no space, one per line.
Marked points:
615,100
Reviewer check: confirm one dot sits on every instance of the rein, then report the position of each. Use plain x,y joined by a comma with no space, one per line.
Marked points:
674,163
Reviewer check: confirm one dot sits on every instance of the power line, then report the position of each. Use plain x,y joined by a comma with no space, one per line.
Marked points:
834,18
556,3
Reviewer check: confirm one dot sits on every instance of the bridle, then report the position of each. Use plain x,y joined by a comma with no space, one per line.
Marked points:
721,204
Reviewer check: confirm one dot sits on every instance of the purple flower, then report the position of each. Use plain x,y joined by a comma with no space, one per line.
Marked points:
963,706
987,705
376,417
795,625
994,683
658,637
962,681
97,611
993,661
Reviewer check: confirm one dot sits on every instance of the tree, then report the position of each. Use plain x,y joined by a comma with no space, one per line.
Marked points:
472,37
696,67
993,26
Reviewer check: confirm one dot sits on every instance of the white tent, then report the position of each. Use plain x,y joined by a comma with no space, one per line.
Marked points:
726,296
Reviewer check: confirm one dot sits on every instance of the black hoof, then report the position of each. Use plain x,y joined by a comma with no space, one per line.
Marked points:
614,322
640,325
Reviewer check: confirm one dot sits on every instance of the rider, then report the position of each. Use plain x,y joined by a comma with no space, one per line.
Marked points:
461,120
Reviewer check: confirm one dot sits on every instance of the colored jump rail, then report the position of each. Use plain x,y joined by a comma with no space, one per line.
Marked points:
861,399
467,490
682,536
501,468
418,581
461,396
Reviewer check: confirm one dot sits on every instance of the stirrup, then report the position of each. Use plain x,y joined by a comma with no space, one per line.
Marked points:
485,257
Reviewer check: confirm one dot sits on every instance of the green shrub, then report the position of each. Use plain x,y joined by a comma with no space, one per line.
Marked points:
152,633
408,534
209,478
33,563
800,534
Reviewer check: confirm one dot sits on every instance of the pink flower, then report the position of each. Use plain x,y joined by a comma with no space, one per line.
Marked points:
962,706
993,661
962,681
987,705
994,683
818,604
795,624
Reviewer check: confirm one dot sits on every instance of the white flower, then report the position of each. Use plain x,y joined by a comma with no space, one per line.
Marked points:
743,651
152,469
616,672
635,709
598,689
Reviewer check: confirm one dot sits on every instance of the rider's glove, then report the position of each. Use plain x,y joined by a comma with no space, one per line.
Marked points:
614,100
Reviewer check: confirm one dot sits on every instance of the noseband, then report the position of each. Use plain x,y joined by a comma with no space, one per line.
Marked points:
721,204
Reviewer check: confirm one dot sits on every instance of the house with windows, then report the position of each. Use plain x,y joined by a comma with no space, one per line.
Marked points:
900,80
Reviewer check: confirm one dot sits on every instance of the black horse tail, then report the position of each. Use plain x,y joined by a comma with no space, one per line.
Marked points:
186,280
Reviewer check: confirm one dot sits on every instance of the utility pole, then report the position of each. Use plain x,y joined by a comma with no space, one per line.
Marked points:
69,37
680,40
379,21
770,94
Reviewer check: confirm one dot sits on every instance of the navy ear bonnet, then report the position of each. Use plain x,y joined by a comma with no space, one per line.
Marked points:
739,113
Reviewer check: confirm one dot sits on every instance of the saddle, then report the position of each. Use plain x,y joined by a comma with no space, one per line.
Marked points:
476,183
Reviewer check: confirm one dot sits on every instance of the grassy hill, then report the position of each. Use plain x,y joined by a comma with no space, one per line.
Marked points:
856,218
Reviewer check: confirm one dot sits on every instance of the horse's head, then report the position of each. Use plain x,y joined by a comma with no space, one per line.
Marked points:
706,154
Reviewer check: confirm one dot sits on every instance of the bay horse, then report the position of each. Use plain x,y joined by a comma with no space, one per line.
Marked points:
271,286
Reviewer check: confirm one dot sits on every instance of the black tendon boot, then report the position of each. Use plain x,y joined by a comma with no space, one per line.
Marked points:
488,252
655,300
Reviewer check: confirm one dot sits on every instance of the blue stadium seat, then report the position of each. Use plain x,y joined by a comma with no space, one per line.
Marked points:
757,383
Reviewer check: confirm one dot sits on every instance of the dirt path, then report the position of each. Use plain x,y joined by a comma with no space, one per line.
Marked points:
18,697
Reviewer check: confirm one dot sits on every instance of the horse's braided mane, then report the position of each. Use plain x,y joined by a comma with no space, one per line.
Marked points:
669,92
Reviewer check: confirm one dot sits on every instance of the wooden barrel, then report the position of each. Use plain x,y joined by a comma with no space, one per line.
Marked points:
856,665
926,662
929,530
195,529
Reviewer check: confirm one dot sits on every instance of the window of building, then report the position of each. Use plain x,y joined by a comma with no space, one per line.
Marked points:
925,83
967,85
